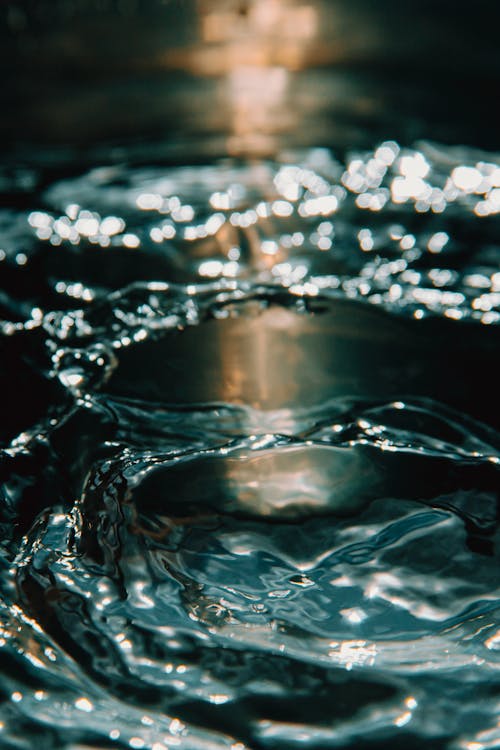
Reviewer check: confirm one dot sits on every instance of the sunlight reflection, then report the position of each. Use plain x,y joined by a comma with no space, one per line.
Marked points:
256,98
258,31
302,221
353,653
255,45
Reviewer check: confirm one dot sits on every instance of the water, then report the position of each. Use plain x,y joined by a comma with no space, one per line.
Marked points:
250,453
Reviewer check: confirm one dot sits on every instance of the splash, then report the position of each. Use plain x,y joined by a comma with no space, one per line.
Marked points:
251,454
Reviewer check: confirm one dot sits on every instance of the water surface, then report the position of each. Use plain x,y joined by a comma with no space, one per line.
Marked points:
250,452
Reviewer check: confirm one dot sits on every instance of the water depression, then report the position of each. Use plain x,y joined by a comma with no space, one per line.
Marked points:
250,462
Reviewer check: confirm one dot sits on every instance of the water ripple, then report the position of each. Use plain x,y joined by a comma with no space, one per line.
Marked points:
241,506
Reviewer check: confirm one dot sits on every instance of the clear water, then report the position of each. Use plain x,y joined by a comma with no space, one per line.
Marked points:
251,455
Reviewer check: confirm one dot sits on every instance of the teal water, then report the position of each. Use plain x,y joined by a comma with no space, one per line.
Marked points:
250,453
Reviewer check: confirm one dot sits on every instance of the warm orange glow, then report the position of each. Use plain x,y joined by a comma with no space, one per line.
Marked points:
256,96
254,45
276,25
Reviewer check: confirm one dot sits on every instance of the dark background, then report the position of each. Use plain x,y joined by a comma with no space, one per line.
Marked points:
76,73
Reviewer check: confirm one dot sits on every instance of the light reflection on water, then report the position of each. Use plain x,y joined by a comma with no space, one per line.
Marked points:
250,404
255,510
397,227
247,77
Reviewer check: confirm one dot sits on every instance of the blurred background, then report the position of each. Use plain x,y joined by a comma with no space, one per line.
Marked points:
197,78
